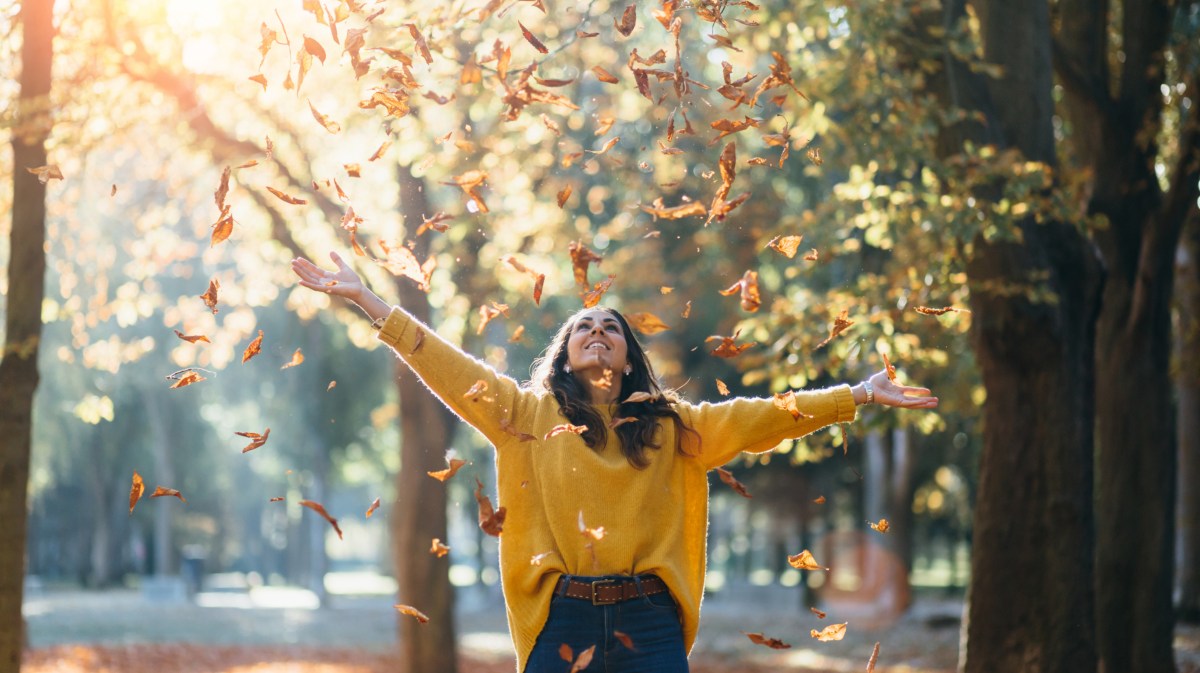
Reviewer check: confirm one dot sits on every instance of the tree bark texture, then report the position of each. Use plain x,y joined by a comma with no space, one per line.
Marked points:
1114,126
419,514
1187,386
1031,602
23,314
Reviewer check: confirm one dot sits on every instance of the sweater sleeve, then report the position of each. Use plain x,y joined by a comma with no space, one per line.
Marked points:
756,425
489,401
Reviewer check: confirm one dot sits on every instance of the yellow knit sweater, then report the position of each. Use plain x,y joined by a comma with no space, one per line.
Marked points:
655,519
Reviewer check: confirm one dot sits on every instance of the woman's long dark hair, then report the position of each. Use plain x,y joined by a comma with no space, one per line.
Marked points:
576,407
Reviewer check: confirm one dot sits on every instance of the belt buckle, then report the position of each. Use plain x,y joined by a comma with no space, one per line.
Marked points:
596,600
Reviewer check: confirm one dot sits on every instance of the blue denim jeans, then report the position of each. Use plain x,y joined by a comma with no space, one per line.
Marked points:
650,622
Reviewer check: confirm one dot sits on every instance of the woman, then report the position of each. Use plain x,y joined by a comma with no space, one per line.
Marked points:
572,453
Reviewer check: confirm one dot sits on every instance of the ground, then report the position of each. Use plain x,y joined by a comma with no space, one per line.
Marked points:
278,630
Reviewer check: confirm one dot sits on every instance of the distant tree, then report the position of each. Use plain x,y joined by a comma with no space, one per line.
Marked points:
23,313
1187,386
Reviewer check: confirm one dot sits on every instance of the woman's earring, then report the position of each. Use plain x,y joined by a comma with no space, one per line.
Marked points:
628,370
567,368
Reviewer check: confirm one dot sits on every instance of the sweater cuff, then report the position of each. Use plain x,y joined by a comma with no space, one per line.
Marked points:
395,329
847,410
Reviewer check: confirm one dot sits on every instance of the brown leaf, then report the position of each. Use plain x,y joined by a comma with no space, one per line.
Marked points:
804,561
297,358
874,658
331,386
624,638
136,489
563,195
553,84
160,491
840,324
566,653
402,262
330,125
592,297
627,22
685,209
444,475
188,379
727,348
320,509
925,310
46,173
491,522
210,297
787,402
372,507
646,323
436,223
192,338
818,613
891,370
727,477
223,227
748,288
820,500
256,440
881,527
565,427
383,148
313,47
607,146
412,612
286,198
814,155
604,76
722,388
254,348
583,660
788,245
532,39
581,258
438,549
422,46
831,632
773,643
470,183
812,255
276,499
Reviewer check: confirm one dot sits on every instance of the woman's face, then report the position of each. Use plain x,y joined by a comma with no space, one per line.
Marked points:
597,343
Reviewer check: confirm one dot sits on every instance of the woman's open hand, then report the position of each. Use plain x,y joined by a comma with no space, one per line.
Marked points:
889,394
343,282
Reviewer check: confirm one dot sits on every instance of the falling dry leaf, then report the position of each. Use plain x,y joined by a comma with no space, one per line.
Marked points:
773,643
532,39
490,521
565,427
814,155
254,348
320,509
329,124
583,660
136,490
276,499
192,338
820,500
592,297
411,612
46,173
881,527
874,658
812,255
646,323
372,507
618,421
160,491
727,477
891,370
210,297
438,549
747,286
722,388
223,228
566,653
787,245
607,146
804,561
627,22
331,386
625,639
818,613
455,465
840,324
581,259
727,348
563,195
286,198
604,76
383,148
256,440
188,378
831,632
787,402
640,396
297,358
925,310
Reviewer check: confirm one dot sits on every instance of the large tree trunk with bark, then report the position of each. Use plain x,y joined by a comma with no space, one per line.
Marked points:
419,514
1113,133
23,315
1187,386
1031,602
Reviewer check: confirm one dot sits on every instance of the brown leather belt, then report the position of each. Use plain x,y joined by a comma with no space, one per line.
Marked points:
609,591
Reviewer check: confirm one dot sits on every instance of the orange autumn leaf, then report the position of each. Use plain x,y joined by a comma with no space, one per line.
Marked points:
773,643
470,182
874,658
583,660
320,509
532,39
814,155
881,527
804,561
646,323
422,46
925,310
581,258
297,358
329,125
193,338
260,79
820,500
488,313
331,386
286,198
818,613
812,255
438,549
256,440
891,370
604,76
254,348
840,324
787,402
136,489
276,499
372,507
727,348
223,228
401,261
160,491
566,653
46,173
187,379
412,612
686,209
563,195
607,146
565,427
625,639
438,222
592,297
722,388
747,286
738,487
687,310
831,632
490,521
210,297
455,464
383,148
627,22
787,245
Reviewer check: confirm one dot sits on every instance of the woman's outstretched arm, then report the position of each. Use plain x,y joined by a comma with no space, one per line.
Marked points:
491,402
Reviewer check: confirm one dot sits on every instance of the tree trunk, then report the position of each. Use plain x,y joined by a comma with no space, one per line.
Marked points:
419,514
23,315
1031,603
1187,385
